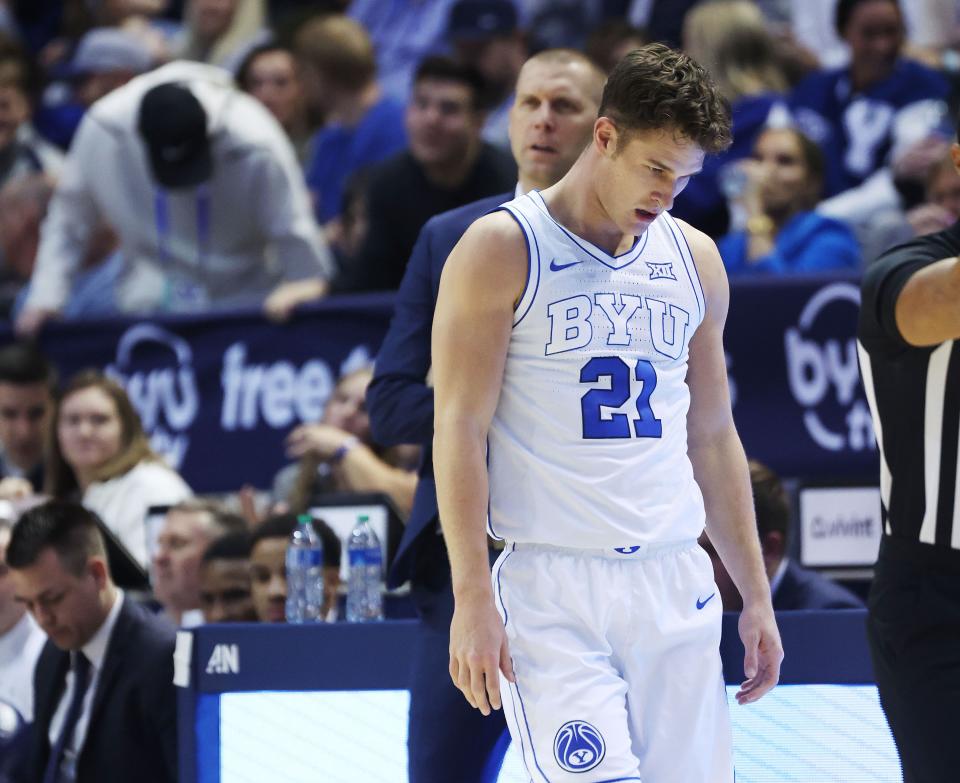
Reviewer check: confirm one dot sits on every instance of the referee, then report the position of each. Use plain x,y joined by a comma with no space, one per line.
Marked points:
909,345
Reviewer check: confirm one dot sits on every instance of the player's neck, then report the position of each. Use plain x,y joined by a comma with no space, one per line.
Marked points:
573,202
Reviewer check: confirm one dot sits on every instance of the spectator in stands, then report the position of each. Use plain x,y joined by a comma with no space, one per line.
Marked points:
730,38
611,40
100,456
203,189
221,32
858,113
22,151
23,207
269,73
363,125
792,586
103,60
188,529
28,388
447,165
486,35
100,642
225,595
941,209
783,235
268,572
21,639
106,59
337,454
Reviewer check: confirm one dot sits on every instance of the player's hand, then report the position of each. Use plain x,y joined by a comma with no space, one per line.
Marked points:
763,652
478,652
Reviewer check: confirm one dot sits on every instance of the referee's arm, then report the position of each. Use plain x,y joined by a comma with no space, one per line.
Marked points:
927,311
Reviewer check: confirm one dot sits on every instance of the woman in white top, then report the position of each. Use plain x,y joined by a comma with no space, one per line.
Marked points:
100,455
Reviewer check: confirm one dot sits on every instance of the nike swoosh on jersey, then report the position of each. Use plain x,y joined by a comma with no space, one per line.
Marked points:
555,267
705,601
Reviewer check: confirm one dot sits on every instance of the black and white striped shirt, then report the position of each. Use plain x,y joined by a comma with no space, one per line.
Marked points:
914,396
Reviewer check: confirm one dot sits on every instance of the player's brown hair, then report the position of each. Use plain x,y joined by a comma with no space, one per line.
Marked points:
658,88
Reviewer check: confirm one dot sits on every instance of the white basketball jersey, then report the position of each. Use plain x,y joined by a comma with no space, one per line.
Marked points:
588,445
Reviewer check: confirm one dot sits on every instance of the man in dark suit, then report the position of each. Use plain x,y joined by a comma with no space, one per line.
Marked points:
793,586
557,98
104,701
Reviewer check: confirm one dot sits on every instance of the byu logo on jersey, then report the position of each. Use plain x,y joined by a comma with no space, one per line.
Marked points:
662,271
578,746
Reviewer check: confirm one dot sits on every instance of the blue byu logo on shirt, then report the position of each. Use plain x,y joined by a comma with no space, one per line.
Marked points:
578,746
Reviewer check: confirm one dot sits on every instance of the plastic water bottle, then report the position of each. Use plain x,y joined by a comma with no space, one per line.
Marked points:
364,589
304,573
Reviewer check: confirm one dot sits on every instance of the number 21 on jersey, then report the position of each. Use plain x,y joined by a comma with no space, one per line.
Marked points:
619,425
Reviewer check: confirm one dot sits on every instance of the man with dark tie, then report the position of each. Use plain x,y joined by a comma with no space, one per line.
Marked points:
104,701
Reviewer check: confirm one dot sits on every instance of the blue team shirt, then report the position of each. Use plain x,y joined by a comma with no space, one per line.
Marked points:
339,151
809,243
855,130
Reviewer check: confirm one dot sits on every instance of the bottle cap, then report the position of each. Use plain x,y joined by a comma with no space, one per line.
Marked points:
363,518
304,519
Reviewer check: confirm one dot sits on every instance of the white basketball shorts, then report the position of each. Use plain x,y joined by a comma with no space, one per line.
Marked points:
617,662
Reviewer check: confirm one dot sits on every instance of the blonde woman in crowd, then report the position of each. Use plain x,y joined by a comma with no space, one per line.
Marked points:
100,456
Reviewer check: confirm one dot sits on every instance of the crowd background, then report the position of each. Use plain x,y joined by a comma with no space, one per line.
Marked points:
394,114
368,118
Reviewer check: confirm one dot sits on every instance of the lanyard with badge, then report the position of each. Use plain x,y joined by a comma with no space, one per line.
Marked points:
180,291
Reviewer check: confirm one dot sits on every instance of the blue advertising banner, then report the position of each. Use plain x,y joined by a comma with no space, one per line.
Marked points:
218,394
792,364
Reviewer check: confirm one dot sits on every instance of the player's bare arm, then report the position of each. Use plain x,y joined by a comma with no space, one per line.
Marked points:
720,467
926,309
483,277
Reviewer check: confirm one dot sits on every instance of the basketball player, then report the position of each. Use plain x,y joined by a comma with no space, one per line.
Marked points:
582,407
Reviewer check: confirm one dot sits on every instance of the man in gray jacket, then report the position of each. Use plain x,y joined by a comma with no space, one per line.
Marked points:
203,189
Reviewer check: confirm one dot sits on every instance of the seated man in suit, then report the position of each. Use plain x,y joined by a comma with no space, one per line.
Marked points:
104,701
793,586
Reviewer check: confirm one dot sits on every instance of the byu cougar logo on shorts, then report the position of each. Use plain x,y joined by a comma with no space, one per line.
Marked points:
578,746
